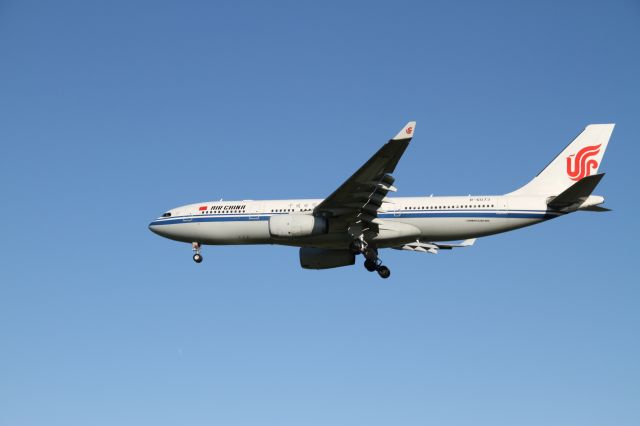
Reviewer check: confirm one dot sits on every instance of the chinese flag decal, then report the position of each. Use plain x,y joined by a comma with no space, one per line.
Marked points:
202,208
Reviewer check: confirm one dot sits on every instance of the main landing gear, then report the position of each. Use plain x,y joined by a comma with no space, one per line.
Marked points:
197,257
372,262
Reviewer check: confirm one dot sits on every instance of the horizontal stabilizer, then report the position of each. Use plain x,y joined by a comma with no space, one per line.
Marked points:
465,243
595,209
576,193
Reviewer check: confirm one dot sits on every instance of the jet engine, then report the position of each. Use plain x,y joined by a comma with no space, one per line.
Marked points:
296,225
316,258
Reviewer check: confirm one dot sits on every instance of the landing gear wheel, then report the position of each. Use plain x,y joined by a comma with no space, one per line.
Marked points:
370,265
384,272
197,257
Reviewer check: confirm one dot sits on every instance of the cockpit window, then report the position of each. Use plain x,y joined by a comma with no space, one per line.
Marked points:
167,214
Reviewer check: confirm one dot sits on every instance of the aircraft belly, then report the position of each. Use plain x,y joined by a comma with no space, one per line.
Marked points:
245,232
515,223
448,229
241,232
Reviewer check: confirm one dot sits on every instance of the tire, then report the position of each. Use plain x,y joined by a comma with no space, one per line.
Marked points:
370,265
197,258
384,272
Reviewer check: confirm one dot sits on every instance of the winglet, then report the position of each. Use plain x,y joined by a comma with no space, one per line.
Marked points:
406,132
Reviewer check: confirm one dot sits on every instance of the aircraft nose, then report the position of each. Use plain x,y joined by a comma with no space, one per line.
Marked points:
153,227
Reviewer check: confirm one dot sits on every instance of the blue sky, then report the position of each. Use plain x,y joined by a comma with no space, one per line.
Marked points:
112,112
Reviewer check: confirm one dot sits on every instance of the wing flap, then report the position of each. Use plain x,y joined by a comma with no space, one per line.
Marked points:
431,247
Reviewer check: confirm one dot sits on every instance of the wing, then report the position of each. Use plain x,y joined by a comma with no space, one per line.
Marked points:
355,204
425,247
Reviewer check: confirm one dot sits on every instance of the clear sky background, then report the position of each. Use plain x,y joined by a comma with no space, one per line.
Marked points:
113,112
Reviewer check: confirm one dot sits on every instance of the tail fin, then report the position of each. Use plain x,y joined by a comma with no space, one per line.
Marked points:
579,159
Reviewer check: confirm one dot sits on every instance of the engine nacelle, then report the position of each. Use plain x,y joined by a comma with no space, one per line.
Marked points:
316,258
296,225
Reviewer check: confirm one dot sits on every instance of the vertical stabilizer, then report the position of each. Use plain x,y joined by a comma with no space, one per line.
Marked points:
581,158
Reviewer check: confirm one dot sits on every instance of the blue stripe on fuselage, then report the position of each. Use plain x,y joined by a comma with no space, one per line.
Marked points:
528,214
193,219
408,215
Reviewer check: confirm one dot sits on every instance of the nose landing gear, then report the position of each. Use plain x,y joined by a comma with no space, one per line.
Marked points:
197,257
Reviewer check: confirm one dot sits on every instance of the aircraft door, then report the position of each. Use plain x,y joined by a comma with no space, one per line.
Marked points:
396,210
501,206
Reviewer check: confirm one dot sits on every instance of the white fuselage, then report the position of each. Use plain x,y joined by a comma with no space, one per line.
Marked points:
435,218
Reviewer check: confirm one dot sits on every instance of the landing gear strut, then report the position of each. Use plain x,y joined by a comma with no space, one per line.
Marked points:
372,262
197,257
370,253
356,246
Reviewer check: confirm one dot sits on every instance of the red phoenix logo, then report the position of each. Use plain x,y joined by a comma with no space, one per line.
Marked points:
581,164
409,130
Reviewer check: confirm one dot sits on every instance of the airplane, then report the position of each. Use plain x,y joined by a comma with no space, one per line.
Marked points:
360,218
